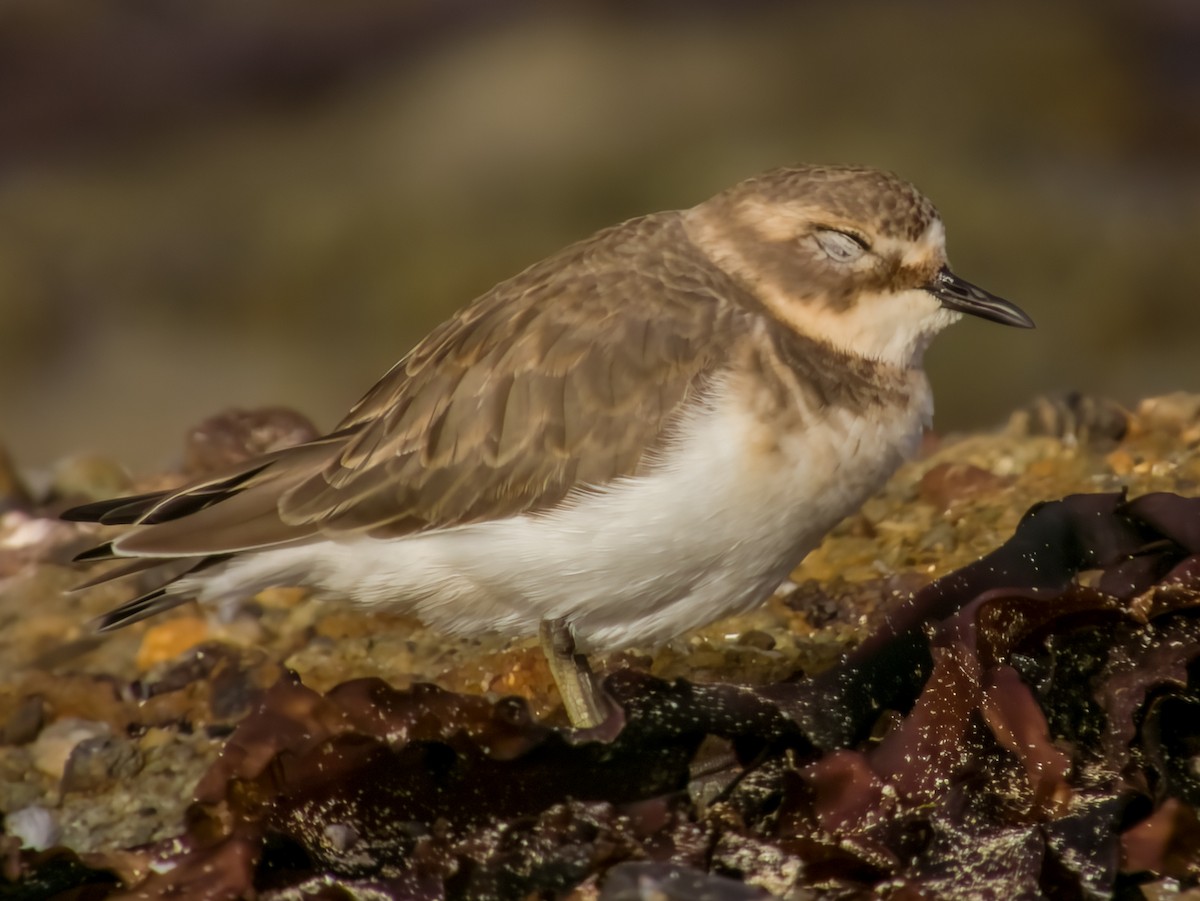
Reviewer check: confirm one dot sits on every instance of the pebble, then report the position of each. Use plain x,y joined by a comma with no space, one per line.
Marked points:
55,744
236,435
756,638
941,536
89,477
1177,412
25,722
20,531
1121,462
169,639
35,826
1074,418
97,762
948,483
14,494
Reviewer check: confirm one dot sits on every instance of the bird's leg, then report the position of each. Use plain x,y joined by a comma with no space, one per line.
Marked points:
572,674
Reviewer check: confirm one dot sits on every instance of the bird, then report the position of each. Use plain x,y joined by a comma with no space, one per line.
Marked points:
643,433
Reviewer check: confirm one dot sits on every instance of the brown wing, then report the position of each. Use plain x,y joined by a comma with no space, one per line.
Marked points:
563,376
566,375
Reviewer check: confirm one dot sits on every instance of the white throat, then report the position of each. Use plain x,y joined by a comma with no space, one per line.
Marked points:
894,329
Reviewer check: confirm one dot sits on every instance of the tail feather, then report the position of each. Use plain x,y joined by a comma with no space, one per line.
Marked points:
162,506
179,504
132,567
95,554
155,601
180,532
147,605
114,511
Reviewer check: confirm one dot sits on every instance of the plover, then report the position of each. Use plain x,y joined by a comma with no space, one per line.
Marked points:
641,434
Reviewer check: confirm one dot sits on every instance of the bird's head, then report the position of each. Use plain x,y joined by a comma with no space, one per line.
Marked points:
854,257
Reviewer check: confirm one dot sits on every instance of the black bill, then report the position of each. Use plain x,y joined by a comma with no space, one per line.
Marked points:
962,296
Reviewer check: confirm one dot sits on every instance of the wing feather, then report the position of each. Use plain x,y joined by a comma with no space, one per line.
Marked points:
566,375
569,375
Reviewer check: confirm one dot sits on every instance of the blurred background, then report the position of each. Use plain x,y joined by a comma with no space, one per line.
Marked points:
217,204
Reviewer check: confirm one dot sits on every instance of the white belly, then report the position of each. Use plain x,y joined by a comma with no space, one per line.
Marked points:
711,531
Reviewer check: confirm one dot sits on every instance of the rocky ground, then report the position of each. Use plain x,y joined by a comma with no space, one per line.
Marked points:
1034,722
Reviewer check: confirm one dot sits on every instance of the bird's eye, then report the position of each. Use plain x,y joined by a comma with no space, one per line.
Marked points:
839,246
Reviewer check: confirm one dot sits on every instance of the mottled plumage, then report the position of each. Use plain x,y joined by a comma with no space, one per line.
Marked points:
637,435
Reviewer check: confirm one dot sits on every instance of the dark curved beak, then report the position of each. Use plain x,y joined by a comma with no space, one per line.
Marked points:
963,297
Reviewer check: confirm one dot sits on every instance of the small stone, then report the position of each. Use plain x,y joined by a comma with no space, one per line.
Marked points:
167,640
1121,462
941,536
1074,418
1167,890
236,435
341,836
25,722
1042,469
280,597
97,762
35,826
89,477
229,678
154,738
237,688
343,624
812,599
26,539
1170,412
14,494
56,743
758,639
948,483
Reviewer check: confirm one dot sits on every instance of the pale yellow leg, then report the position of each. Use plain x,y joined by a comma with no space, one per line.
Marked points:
572,675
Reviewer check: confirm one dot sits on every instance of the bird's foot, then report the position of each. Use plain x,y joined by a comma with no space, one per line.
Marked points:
572,674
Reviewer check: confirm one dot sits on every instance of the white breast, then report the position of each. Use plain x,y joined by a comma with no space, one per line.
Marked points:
711,531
